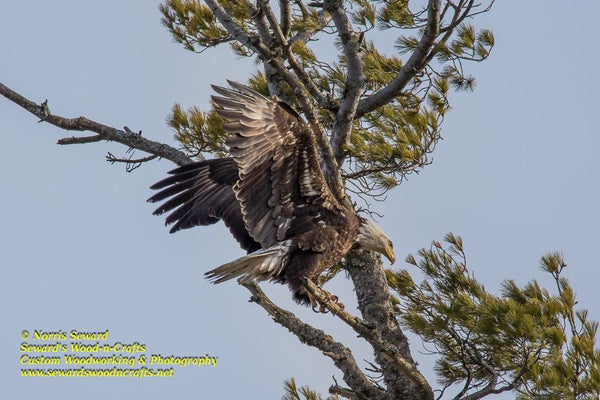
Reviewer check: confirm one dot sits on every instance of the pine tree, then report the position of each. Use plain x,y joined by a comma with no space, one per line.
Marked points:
378,118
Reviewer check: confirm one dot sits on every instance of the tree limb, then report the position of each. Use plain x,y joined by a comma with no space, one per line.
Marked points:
285,17
415,63
275,27
368,276
126,137
355,79
341,355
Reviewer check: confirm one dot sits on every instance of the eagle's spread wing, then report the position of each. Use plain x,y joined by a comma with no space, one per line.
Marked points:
281,189
202,194
271,194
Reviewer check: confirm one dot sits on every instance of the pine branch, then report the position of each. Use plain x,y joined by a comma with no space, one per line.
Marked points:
414,64
125,136
341,355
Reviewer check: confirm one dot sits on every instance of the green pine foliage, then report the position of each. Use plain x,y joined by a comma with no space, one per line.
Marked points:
197,131
293,392
387,144
531,340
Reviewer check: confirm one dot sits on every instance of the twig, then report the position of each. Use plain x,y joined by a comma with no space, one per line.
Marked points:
130,162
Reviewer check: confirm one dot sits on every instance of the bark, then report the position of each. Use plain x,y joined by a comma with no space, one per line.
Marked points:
402,378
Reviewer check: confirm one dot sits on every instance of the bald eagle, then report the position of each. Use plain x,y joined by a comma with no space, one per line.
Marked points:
271,194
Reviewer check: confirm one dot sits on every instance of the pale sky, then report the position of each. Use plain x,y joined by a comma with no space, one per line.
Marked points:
516,176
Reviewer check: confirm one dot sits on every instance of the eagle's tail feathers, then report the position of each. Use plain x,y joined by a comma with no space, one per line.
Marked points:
261,265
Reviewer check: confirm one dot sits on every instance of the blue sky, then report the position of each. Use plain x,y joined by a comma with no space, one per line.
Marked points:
516,176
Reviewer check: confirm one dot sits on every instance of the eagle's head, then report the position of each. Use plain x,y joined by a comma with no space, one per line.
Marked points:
371,237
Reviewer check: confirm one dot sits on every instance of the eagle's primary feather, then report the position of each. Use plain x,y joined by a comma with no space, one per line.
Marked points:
271,194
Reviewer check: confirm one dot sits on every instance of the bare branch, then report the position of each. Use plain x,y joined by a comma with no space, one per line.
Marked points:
125,137
285,17
275,27
344,392
490,388
130,162
415,63
262,25
355,79
302,7
370,334
80,140
341,355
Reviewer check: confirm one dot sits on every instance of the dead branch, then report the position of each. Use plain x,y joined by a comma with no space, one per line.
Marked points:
105,132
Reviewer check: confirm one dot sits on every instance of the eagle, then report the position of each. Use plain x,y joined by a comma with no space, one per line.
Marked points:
271,194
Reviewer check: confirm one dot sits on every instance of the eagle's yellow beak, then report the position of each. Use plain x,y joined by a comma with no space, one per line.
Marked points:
389,253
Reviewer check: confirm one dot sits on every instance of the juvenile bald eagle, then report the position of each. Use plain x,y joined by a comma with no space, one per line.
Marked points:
271,194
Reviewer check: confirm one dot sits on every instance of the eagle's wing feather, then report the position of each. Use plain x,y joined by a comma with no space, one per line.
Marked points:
279,170
201,194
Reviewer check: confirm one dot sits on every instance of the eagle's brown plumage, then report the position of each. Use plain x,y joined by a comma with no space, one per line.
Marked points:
271,194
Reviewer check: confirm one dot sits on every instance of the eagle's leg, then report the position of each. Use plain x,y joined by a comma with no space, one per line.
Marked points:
317,296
